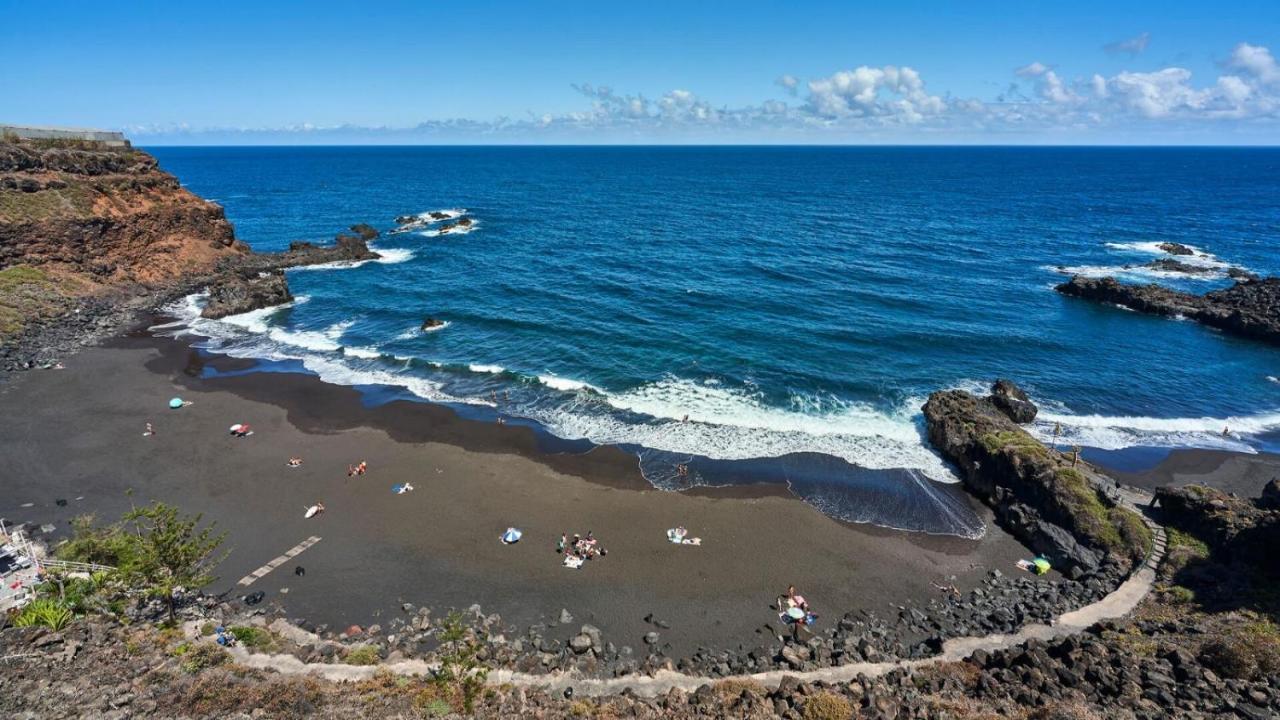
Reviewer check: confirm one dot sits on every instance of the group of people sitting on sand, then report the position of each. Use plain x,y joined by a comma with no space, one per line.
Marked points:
353,470
794,610
580,549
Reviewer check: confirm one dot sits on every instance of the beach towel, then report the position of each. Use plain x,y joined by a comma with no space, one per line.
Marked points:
572,561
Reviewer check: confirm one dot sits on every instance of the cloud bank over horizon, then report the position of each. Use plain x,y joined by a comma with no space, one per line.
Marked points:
865,104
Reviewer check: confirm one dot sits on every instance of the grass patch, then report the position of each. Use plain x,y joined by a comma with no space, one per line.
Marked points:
1177,539
1092,517
253,637
27,292
1013,441
1250,651
73,201
363,655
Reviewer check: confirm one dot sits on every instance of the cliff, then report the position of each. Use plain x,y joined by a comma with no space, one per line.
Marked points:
92,233
1059,508
1249,308
110,215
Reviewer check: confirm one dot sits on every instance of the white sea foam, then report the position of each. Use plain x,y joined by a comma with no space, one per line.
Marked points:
449,213
1273,378
1135,272
731,425
450,230
566,384
1118,432
361,351
491,369
389,256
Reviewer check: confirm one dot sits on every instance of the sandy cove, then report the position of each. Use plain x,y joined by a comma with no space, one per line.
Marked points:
77,433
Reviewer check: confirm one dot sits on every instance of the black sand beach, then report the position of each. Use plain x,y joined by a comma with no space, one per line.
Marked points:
76,434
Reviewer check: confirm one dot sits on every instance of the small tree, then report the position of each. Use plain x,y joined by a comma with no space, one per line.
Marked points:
170,552
460,665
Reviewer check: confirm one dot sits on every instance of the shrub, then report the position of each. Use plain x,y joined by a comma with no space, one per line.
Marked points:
827,706
1015,441
207,629
1179,594
203,655
1250,652
363,655
733,689
438,701
252,637
44,612
461,670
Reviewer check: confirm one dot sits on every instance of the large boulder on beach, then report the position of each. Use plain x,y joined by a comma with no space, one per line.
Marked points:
1013,402
233,294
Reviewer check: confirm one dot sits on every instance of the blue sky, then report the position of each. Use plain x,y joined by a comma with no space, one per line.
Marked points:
571,71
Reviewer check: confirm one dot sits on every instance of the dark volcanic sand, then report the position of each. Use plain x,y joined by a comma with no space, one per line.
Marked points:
77,433
1244,475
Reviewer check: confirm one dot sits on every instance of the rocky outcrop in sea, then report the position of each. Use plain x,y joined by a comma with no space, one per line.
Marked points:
1249,308
1058,505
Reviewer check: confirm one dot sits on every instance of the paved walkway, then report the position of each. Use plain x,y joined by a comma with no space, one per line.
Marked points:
1119,603
293,552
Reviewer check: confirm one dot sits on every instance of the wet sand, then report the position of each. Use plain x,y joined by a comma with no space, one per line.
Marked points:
1244,475
76,434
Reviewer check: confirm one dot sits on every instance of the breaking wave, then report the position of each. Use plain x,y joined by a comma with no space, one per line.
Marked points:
1119,432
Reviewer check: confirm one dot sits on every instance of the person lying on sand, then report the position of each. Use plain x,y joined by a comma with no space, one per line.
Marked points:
149,431
295,462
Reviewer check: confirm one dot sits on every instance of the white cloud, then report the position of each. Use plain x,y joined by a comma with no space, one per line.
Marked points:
873,101
1257,61
1133,46
1034,70
890,92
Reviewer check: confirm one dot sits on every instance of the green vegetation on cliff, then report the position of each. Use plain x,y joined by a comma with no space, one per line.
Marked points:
28,293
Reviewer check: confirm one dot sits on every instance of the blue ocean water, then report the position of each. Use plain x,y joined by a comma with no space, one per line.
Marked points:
796,305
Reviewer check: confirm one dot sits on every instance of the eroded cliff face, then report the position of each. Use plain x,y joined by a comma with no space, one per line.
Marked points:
109,216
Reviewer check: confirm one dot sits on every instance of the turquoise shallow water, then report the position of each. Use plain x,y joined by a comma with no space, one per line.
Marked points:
796,304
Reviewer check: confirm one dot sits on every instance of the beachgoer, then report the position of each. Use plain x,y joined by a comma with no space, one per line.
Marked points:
362,468
1226,432
564,541
684,419
149,432
295,461
682,470
502,421
299,571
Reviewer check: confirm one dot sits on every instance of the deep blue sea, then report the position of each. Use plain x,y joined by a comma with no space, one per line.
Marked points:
797,305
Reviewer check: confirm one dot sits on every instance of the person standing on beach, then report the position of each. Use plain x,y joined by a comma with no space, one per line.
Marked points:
149,432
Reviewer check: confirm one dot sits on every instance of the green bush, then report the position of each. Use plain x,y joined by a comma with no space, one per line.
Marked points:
44,612
363,655
252,637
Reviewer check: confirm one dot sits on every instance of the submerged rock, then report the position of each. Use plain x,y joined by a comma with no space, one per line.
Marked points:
431,322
